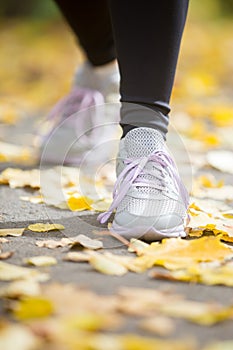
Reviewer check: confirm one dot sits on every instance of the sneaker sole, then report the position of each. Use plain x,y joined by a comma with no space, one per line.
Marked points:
149,234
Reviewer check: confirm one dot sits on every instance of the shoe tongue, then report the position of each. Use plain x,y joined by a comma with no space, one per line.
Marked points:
141,142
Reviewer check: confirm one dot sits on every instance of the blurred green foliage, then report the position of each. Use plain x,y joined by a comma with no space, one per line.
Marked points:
211,9
28,8
207,9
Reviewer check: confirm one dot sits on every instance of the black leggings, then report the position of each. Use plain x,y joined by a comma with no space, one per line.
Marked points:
145,38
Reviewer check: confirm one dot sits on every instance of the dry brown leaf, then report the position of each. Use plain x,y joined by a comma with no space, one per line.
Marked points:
15,232
41,227
41,260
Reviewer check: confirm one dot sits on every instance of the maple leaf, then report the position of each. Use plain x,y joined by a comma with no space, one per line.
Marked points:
177,253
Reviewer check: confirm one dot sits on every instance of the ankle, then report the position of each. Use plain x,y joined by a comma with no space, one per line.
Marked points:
126,128
105,69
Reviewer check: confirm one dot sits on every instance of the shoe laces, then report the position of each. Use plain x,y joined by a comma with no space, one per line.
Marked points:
78,99
135,174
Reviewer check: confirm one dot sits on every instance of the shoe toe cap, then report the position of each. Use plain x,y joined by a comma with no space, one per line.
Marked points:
162,222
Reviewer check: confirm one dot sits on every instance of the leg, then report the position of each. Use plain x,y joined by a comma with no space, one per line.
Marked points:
147,36
95,81
91,23
150,198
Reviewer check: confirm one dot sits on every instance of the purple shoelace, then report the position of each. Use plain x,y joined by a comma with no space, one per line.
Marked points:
78,99
130,177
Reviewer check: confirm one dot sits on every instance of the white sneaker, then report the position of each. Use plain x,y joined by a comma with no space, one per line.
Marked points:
150,199
82,120
105,79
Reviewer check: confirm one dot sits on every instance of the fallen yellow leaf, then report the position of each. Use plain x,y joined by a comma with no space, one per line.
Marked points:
209,181
10,272
15,153
79,203
177,253
15,232
221,160
134,342
40,227
20,178
106,265
77,257
51,243
160,325
4,240
33,307
216,275
81,240
137,246
6,255
92,322
19,289
42,260
12,334
201,313
220,345
222,275
86,242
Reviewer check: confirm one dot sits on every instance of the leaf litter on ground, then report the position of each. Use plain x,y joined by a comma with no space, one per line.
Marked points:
41,227
40,260
79,240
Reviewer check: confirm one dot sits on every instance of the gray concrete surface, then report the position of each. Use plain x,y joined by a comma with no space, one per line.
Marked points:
19,214
16,213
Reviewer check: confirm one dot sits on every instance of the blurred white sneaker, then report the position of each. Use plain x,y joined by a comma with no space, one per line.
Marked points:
150,199
105,79
82,119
